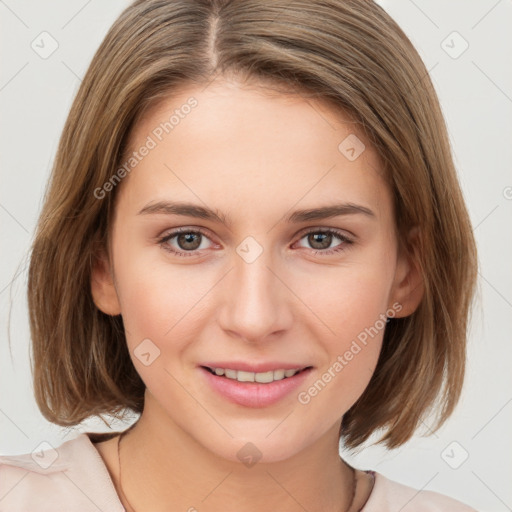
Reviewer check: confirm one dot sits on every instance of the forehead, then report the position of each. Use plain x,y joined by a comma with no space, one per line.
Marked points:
247,144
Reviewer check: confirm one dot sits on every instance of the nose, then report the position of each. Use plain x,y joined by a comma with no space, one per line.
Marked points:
256,300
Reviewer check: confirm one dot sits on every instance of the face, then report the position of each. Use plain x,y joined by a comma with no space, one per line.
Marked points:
258,278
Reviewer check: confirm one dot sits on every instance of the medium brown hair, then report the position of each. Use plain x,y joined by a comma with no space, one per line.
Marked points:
350,54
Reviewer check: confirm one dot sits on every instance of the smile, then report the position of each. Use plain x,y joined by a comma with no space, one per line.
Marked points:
254,389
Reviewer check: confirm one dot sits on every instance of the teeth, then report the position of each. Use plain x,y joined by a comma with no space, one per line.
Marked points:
230,374
245,376
263,377
279,374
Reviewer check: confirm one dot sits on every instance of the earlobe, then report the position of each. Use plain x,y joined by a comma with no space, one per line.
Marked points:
408,287
103,290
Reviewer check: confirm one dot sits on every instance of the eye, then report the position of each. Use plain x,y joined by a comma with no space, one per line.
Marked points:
321,239
188,241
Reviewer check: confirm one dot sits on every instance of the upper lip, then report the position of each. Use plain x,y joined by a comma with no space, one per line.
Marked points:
255,367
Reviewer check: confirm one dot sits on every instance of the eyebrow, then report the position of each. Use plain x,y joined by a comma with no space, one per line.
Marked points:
193,210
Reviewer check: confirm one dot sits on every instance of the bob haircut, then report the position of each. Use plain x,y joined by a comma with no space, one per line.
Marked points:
349,54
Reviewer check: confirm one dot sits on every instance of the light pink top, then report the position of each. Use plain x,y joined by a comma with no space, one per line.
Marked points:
74,478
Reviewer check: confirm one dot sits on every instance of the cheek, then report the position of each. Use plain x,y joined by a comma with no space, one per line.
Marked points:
348,300
351,355
160,301
352,308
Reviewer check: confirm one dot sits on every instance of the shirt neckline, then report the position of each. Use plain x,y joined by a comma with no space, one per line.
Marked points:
95,437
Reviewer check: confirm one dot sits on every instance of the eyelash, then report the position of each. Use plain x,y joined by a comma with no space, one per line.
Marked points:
346,242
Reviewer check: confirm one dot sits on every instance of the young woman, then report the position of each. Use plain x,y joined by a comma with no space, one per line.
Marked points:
253,237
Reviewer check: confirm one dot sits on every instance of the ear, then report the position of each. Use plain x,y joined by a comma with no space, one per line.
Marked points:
103,290
408,286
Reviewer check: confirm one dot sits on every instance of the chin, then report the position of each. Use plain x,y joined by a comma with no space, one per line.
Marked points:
260,447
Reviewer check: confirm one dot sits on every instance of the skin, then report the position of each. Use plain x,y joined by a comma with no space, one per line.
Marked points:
254,155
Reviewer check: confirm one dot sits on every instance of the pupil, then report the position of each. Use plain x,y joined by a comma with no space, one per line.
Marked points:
188,238
320,238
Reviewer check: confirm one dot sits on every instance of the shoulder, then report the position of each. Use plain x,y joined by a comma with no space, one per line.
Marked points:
70,477
391,496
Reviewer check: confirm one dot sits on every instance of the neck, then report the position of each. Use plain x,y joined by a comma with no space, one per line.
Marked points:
162,464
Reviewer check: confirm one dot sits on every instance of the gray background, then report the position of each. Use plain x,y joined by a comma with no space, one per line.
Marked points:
475,90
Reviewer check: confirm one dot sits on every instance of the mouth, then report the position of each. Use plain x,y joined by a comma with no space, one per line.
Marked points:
254,389
257,377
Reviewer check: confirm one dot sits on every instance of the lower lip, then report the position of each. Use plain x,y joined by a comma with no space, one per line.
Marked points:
255,394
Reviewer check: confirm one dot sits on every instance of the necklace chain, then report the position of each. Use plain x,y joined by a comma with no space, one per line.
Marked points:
132,509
